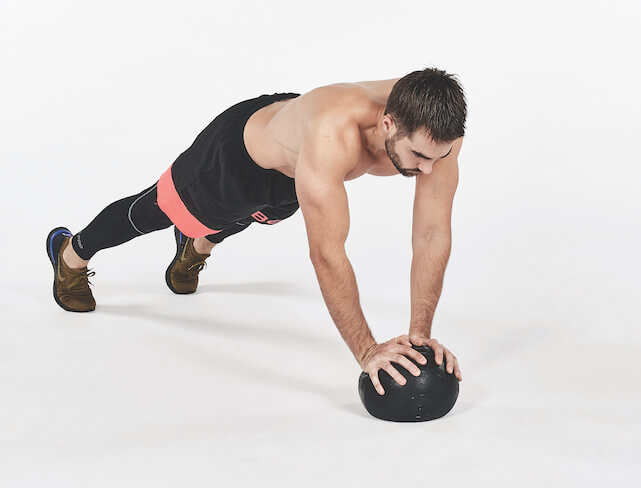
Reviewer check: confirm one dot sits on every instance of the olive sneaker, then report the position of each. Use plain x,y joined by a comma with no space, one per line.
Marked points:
182,274
70,286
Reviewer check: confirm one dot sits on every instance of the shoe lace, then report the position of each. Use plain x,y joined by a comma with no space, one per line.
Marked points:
200,266
80,282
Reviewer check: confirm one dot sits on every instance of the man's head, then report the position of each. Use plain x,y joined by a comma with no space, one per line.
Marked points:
424,114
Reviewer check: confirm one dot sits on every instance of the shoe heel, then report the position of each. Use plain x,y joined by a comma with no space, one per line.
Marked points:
51,252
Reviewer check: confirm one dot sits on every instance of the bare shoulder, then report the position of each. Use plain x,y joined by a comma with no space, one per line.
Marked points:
330,147
331,135
357,103
443,180
339,102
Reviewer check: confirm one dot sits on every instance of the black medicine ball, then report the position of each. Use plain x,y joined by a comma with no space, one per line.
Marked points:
426,397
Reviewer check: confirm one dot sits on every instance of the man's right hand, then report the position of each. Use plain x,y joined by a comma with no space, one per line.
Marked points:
381,356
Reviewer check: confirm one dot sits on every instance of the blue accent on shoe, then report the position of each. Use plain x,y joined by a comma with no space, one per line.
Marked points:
51,243
181,237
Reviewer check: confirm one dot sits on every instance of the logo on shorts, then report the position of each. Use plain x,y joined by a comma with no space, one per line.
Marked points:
262,218
259,216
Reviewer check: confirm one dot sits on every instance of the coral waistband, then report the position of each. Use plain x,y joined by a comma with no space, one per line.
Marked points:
169,202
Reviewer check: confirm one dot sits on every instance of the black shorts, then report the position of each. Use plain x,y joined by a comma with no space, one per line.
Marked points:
215,185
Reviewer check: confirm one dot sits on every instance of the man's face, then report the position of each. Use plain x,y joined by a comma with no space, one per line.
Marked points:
416,155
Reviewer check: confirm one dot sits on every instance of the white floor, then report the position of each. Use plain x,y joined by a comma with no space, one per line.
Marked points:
248,381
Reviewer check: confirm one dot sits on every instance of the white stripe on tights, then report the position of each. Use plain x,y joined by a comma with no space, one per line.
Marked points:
134,203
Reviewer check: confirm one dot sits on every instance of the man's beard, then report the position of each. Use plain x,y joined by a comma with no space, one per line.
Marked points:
389,148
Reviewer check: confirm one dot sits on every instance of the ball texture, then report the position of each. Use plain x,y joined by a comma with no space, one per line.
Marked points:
426,397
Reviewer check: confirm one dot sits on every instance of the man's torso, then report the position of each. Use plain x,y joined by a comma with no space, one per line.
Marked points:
273,134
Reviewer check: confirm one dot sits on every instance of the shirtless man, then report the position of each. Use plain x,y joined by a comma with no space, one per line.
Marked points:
260,159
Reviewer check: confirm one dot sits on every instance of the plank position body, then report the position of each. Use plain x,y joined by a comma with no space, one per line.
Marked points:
263,158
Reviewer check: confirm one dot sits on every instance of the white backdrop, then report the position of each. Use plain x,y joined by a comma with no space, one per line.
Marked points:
248,380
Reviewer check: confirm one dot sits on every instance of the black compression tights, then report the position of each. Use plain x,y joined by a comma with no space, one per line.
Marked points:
120,222
131,217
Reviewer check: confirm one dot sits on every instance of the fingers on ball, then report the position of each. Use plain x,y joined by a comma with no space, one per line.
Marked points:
407,364
393,372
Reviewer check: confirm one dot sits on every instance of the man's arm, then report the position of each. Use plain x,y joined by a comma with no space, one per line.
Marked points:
326,155
431,239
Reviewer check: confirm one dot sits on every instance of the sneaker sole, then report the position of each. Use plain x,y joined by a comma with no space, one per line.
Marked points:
179,248
50,253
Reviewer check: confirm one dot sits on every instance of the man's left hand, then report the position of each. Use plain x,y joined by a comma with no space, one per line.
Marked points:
439,352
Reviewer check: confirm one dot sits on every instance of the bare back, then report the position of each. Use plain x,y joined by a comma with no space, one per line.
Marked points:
274,133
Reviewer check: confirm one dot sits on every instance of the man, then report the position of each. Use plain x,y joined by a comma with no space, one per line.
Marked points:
260,159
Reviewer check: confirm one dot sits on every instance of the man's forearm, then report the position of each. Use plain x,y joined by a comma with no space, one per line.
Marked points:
426,281
338,286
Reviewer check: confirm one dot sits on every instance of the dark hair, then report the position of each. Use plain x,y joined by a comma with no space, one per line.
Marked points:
429,100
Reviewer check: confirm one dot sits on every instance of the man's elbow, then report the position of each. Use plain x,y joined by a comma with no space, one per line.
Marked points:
437,236
326,253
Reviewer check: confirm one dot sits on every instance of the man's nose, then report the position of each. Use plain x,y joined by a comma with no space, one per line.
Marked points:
426,168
